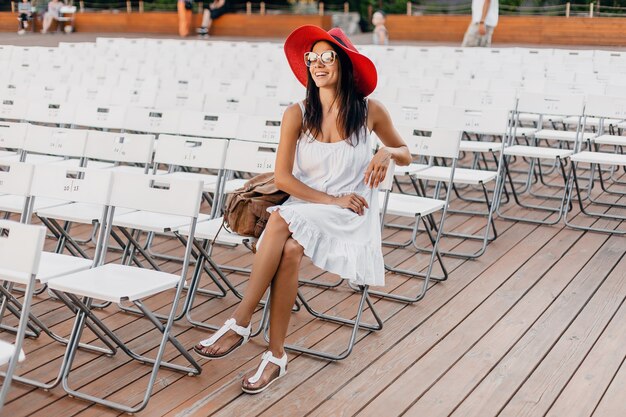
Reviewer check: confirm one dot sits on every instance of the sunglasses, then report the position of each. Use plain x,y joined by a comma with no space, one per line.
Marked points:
326,58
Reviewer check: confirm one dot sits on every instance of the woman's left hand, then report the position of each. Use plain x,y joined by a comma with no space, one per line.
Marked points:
377,168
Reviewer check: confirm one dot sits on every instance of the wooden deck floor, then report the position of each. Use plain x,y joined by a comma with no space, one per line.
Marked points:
535,327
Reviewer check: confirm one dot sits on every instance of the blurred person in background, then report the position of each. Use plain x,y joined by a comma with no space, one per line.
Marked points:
215,10
381,37
185,8
54,11
484,21
24,11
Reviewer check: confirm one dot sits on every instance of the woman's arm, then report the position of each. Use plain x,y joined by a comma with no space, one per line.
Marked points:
283,172
395,148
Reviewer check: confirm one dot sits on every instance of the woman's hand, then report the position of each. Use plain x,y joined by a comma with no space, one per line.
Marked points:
377,168
353,202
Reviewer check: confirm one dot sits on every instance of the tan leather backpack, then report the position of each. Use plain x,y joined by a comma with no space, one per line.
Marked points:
245,212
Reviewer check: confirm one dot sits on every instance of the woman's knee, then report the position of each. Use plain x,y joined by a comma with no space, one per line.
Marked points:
276,224
292,251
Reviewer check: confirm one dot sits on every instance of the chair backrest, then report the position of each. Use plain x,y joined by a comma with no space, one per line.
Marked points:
233,87
152,120
12,108
218,103
253,157
191,152
423,116
488,121
156,193
479,99
55,141
49,112
189,100
209,125
16,178
439,142
605,106
259,129
82,185
130,148
100,116
12,135
20,250
555,104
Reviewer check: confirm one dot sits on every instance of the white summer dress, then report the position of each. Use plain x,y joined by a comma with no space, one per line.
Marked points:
336,239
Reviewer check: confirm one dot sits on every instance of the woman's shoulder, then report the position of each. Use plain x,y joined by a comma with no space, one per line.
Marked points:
375,108
293,112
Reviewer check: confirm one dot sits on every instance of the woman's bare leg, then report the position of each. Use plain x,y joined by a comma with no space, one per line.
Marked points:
282,298
264,268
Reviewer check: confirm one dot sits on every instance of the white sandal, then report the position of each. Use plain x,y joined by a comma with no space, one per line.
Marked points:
267,358
230,324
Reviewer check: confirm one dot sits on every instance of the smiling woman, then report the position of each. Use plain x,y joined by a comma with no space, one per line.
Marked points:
326,164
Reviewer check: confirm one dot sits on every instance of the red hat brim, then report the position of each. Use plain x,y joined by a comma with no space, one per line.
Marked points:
302,39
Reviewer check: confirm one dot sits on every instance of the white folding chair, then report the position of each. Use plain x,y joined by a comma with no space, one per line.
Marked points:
20,251
440,143
259,129
494,121
55,113
13,108
55,182
12,136
606,110
539,104
93,115
242,156
115,283
152,120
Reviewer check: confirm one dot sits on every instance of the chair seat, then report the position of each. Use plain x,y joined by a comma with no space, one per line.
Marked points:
78,212
115,283
231,186
7,154
135,170
591,121
563,135
610,140
33,158
601,158
524,131
461,175
153,222
54,265
537,152
75,163
409,169
208,179
15,204
534,118
208,229
6,352
410,205
479,146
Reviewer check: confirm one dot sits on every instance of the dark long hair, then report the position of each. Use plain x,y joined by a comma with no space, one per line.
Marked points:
351,103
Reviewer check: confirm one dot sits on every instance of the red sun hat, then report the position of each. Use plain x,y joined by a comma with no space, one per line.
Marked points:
302,40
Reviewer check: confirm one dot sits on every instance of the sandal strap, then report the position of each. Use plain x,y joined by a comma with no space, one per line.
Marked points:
230,324
267,358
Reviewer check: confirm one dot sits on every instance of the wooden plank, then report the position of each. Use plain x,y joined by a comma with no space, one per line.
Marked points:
612,403
585,389
549,364
419,378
